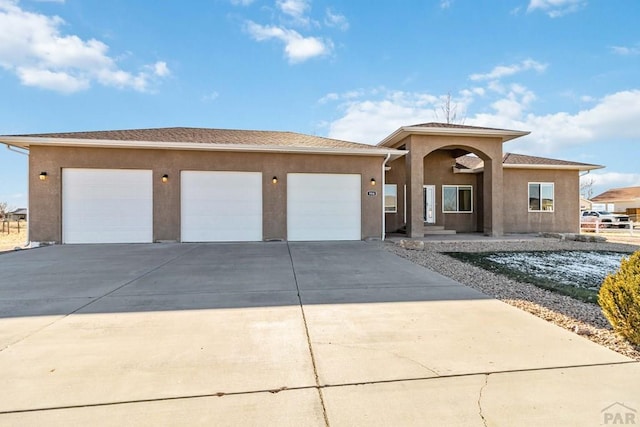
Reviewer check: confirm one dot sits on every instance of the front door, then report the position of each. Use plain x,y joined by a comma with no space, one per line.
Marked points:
429,197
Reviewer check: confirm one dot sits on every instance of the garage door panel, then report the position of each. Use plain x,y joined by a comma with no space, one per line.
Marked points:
323,207
221,206
107,206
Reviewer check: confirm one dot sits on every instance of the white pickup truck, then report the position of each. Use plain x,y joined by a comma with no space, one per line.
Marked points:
607,219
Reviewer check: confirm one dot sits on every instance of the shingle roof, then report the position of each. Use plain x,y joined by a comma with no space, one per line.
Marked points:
210,136
452,126
618,195
450,129
522,159
473,162
469,162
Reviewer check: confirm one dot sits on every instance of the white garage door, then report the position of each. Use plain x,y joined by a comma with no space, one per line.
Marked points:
323,206
221,206
107,206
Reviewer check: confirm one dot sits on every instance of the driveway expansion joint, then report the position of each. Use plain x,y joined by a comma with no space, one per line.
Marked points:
486,382
306,330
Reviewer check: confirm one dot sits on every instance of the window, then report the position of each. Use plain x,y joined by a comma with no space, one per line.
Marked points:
390,198
541,196
457,198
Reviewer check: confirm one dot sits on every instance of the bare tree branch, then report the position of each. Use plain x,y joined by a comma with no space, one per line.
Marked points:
449,111
586,188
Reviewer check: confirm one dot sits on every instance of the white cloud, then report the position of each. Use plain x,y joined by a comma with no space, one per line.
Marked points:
370,120
626,50
445,4
334,19
613,117
369,117
211,96
609,180
52,80
297,48
501,71
348,95
33,48
291,14
329,97
161,69
556,8
296,9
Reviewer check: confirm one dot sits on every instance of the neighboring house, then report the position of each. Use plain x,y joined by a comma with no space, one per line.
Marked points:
585,204
17,215
201,185
621,198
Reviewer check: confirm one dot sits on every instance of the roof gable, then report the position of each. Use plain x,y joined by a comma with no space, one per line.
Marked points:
437,125
450,129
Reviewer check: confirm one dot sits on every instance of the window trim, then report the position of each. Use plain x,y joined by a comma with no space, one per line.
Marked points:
553,197
384,198
457,187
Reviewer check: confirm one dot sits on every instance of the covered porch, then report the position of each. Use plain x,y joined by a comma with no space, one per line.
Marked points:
435,194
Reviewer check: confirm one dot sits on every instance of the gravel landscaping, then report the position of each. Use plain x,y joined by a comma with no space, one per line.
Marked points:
585,319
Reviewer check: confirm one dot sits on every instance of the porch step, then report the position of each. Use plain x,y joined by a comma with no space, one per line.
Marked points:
430,230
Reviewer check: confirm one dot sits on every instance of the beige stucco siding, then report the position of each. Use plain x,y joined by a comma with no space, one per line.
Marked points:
45,196
430,162
489,149
564,218
438,171
396,175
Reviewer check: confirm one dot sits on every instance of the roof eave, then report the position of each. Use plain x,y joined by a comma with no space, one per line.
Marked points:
403,132
556,167
613,199
26,142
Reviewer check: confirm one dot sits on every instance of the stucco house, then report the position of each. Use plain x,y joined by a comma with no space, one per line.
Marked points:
207,185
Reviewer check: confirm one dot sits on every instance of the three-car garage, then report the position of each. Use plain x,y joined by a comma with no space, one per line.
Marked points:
116,206
201,185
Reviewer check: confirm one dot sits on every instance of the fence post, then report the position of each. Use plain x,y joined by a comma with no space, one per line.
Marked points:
597,225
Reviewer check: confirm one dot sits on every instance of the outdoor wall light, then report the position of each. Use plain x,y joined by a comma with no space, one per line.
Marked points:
274,179
165,178
373,181
43,176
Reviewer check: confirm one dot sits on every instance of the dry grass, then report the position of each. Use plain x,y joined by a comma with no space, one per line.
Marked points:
15,238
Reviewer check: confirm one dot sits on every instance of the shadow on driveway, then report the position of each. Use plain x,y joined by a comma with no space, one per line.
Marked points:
139,278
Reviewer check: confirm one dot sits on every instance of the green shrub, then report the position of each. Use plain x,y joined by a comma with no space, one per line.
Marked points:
619,298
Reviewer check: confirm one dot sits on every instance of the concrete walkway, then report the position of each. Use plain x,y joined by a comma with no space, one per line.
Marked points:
336,334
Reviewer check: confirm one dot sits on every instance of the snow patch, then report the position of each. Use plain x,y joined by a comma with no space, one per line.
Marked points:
584,269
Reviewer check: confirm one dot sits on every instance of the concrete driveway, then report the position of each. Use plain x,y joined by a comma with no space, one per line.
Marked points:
336,334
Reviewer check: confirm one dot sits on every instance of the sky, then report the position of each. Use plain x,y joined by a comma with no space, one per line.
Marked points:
568,71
